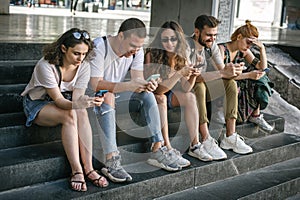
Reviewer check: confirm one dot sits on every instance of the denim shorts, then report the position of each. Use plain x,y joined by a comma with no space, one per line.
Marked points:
32,108
169,95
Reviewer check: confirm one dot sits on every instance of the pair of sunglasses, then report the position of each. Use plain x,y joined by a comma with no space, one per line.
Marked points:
172,39
83,34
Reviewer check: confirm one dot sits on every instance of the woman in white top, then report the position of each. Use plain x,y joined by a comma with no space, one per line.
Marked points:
56,95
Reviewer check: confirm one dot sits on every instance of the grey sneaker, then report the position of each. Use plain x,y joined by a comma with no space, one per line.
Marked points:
212,148
114,171
236,143
218,117
162,158
199,152
261,122
181,160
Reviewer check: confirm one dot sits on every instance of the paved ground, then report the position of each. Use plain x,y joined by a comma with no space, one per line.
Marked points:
44,24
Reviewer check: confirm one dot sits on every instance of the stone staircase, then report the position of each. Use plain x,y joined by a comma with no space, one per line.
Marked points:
33,164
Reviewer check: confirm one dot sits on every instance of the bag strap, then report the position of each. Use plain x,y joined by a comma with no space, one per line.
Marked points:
59,74
105,44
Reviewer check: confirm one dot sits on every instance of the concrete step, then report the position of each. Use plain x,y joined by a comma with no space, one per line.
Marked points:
19,51
148,182
13,133
287,82
10,99
17,136
16,71
32,164
277,181
12,119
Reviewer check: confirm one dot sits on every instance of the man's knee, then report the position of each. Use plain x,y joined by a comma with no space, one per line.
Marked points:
230,86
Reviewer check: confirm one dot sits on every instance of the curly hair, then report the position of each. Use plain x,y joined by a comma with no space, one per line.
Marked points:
53,53
247,31
159,55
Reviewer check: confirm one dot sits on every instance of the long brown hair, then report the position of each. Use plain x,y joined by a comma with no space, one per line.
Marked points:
158,54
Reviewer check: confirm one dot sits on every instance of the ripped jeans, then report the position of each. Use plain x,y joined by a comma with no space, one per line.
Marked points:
106,116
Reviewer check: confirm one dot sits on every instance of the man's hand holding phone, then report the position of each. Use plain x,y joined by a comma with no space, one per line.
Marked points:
197,71
99,97
152,82
100,93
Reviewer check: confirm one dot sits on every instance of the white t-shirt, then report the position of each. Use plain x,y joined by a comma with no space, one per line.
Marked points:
214,59
45,76
216,55
112,68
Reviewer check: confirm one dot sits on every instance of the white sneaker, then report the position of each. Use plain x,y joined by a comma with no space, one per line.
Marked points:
261,122
199,152
236,143
181,160
211,147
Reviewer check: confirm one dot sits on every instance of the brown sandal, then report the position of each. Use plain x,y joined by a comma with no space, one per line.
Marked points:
97,182
82,182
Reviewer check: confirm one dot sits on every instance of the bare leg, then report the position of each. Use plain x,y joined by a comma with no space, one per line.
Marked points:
163,112
230,126
188,101
85,139
256,112
204,131
50,115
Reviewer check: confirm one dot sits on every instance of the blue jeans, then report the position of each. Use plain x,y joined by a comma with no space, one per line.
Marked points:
106,116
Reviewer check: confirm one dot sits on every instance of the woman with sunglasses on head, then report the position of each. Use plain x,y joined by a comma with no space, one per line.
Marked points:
253,83
167,56
55,96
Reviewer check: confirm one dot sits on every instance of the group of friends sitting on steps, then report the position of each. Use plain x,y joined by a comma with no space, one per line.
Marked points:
174,70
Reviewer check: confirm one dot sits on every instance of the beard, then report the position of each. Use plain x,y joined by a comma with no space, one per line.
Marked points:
203,43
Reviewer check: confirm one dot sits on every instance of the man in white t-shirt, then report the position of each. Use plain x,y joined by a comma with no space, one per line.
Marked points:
112,58
216,79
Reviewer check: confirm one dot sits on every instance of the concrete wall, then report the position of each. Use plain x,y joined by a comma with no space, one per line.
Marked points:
4,7
182,11
186,11
293,13
226,13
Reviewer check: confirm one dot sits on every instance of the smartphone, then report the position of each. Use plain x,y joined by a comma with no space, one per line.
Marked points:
266,69
239,60
198,66
153,76
100,93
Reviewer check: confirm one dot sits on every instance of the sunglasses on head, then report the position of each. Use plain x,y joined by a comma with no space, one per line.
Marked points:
83,34
172,39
